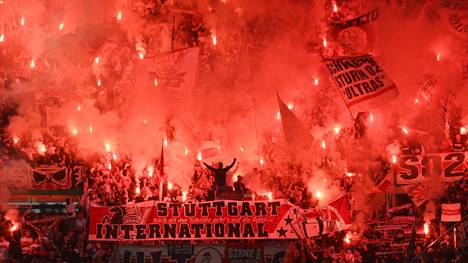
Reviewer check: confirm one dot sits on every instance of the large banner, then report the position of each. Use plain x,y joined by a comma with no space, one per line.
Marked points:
53,177
174,72
201,253
361,82
224,219
412,169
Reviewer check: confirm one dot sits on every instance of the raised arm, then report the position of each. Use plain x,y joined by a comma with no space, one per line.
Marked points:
231,165
209,167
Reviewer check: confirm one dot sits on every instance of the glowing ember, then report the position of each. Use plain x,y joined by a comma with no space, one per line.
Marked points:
32,64
325,44
324,145
316,81
99,83
169,186
90,129
184,196
119,15
199,156
290,105
213,39
15,140
426,228
2,37
61,26
150,170
318,194
462,130
108,147
141,55
155,82
96,60
22,21
405,130
394,159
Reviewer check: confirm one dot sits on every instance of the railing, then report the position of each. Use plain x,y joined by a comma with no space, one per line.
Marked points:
438,239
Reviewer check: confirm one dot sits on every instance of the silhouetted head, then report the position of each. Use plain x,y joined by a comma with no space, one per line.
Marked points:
220,165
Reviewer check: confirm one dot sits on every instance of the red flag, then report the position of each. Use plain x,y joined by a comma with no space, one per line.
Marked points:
295,133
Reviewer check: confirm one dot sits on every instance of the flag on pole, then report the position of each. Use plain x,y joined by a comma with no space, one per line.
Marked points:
296,135
361,82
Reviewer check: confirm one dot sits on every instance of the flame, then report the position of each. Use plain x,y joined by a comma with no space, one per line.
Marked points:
32,64
155,82
137,190
141,55
213,39
90,129
144,121
438,57
15,139
347,238
78,108
199,156
426,228
325,44
41,148
22,21
462,130
186,152
109,166
405,130
14,227
150,170
318,194
169,186
324,145
290,105
278,115
96,60
184,196
316,81
119,15
241,149
165,142
114,156
262,161
394,159
61,26
269,195
108,147
2,37
349,174
335,8
337,129
416,101
99,83
75,131
371,117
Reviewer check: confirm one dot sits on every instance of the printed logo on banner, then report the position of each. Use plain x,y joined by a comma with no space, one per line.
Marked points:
416,168
245,253
361,82
208,255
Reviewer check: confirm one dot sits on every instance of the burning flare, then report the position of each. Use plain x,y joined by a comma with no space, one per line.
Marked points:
119,15
61,26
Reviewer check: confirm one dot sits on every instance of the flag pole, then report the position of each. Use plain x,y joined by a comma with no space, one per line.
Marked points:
161,172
